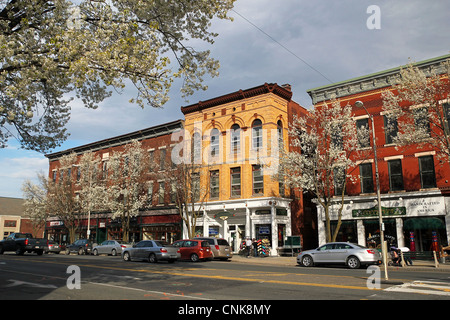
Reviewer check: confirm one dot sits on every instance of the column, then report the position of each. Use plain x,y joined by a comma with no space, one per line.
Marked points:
361,232
205,224
247,222
273,250
400,236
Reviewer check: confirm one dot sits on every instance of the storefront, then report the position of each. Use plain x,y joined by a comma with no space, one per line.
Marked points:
418,220
262,219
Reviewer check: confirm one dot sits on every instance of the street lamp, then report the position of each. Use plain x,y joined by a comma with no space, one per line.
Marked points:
360,104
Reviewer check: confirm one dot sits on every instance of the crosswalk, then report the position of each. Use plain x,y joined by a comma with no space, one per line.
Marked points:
423,287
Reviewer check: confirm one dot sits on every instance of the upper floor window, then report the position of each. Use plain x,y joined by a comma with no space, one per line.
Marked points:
390,129
214,143
362,128
235,138
235,175
257,138
427,174
421,120
214,184
395,175
258,179
365,172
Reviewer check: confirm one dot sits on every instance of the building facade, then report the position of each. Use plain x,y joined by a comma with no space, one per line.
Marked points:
159,219
241,135
414,184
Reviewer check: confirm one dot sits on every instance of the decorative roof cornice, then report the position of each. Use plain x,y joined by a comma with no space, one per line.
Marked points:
370,82
152,132
240,95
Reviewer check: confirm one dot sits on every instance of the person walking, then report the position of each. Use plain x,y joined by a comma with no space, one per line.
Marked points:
248,245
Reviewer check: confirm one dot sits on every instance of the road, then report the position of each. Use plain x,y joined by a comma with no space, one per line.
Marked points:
50,277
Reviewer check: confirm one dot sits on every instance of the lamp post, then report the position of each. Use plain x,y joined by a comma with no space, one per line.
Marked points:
360,104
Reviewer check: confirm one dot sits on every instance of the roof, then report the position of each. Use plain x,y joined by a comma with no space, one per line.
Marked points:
282,91
11,206
371,81
152,132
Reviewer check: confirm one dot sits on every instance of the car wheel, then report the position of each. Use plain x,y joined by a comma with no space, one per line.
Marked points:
152,258
95,252
126,256
80,251
353,262
114,252
67,251
307,261
194,257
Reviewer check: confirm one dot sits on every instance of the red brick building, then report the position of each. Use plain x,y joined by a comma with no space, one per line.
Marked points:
160,220
414,184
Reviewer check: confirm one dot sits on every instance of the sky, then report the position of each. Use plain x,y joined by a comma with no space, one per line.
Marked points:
303,43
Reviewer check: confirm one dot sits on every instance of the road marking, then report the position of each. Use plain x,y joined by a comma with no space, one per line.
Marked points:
16,283
423,287
183,274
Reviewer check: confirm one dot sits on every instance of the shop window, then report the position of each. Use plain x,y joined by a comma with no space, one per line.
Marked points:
427,174
365,171
395,175
347,231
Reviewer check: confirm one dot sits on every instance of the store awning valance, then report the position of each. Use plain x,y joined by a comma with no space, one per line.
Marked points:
423,223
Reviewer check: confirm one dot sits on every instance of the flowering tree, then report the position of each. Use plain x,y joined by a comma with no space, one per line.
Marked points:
126,184
324,144
35,204
50,48
418,108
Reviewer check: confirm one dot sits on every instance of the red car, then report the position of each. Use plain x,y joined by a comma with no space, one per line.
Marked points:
194,250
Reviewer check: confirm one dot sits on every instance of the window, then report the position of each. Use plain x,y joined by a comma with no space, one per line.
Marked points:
162,159
257,138
365,171
150,193
395,175
427,175
258,179
151,160
196,148
362,128
339,177
214,184
235,182
162,185
105,169
390,129
421,120
214,143
446,109
235,138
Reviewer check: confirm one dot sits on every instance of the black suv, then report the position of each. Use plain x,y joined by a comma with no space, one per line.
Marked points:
81,246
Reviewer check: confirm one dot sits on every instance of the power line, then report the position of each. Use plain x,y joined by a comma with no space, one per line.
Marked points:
281,45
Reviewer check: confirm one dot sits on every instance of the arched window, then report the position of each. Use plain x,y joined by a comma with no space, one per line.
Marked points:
214,142
257,138
235,138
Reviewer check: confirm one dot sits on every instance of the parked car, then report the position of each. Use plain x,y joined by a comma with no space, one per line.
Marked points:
152,251
194,250
112,247
350,254
81,246
220,248
52,247
23,242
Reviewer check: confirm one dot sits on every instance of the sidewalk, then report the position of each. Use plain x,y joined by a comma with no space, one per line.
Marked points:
418,265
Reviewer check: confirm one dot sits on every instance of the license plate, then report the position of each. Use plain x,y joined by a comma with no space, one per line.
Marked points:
36,247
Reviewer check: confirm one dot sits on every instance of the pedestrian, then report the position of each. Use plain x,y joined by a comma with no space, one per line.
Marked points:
248,244
406,256
255,247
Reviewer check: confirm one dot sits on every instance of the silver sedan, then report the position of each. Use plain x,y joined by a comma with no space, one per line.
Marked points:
350,254
112,247
152,251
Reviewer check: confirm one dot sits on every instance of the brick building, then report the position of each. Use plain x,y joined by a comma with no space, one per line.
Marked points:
414,184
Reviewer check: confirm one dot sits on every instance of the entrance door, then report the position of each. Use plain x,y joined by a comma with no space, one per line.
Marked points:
101,235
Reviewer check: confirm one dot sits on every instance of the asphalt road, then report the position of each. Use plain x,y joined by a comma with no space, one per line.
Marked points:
61,277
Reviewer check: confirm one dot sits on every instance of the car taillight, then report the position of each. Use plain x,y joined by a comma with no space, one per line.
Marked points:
371,251
26,241
217,247
163,250
123,246
178,251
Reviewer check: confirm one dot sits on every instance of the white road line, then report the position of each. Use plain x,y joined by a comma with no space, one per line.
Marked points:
423,287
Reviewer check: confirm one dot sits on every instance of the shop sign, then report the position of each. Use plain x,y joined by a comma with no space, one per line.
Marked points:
56,223
373,212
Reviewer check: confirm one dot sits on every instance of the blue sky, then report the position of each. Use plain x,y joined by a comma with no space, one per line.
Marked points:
316,42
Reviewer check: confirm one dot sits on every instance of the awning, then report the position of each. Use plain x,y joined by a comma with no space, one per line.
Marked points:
423,223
